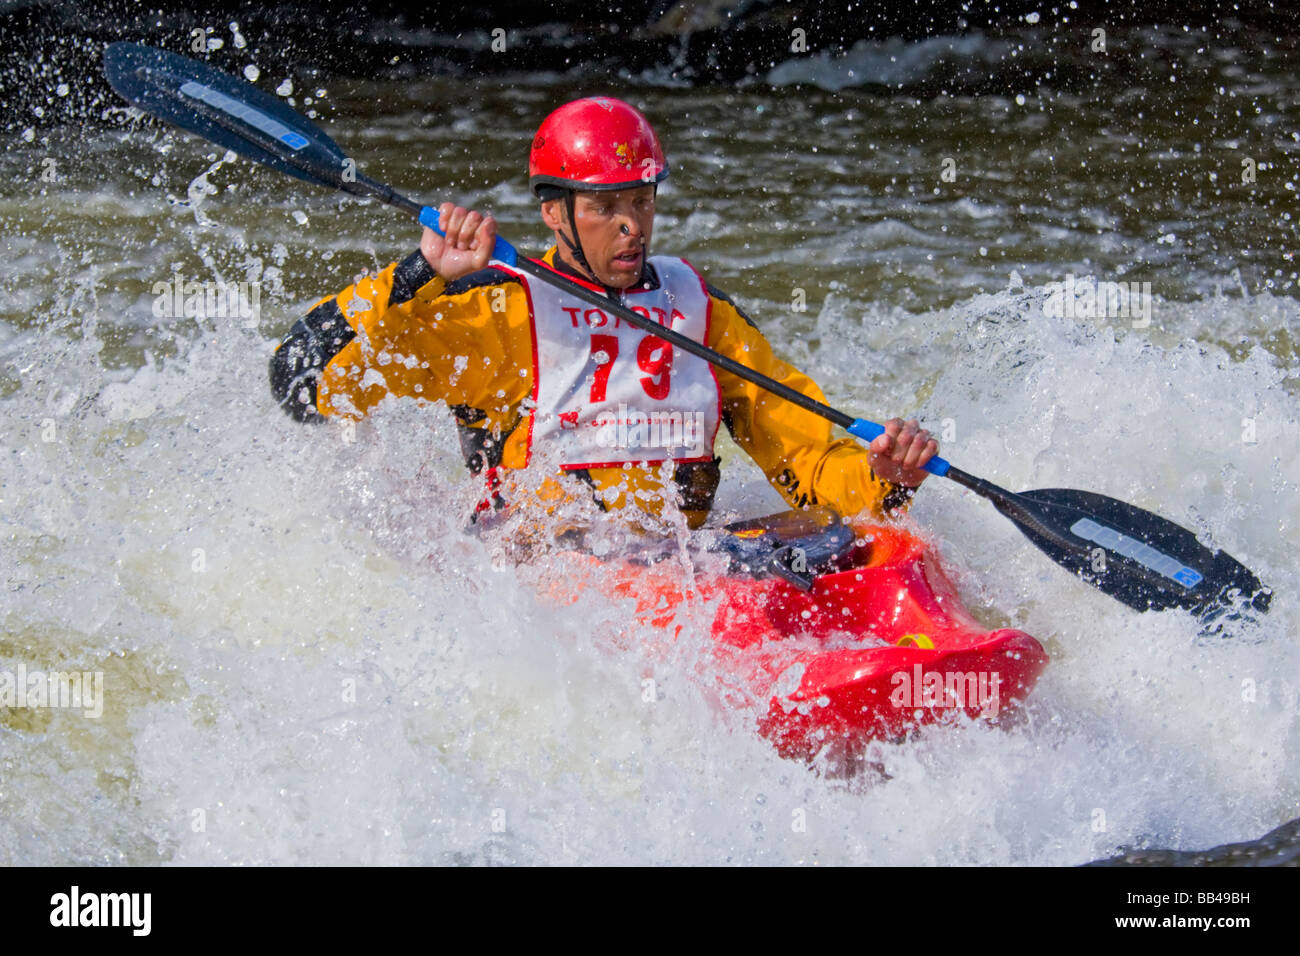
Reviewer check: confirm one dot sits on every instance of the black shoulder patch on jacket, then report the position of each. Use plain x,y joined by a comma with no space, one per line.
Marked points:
719,294
327,323
296,365
411,274
476,280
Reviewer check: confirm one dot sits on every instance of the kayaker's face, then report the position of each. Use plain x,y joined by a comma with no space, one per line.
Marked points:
614,229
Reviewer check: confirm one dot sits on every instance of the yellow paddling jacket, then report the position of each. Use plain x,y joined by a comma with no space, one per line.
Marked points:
473,343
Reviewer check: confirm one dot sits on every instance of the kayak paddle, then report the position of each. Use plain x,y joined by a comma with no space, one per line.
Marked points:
1143,560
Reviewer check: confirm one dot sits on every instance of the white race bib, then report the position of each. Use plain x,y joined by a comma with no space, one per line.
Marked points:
609,394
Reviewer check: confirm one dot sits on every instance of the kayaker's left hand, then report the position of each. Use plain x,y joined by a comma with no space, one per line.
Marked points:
900,454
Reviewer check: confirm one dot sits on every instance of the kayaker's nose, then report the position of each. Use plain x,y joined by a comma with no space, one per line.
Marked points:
625,228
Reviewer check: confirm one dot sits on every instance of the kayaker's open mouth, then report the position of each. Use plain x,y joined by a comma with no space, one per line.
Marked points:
629,261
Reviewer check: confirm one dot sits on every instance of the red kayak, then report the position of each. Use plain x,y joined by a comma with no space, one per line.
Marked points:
846,634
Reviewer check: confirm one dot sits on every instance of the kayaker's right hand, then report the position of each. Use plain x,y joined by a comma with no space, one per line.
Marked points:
469,242
900,454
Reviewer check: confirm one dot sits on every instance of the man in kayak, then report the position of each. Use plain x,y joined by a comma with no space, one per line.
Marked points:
535,375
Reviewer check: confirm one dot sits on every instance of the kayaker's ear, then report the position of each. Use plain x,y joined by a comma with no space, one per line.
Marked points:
553,214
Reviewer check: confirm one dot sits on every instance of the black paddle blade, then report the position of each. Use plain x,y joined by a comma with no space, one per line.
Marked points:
228,111
1146,561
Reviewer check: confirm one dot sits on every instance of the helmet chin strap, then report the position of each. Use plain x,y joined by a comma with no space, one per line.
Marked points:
575,244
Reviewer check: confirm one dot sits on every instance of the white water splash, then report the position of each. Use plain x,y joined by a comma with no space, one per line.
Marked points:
309,661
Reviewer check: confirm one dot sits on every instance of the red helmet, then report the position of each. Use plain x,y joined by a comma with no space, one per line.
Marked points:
595,143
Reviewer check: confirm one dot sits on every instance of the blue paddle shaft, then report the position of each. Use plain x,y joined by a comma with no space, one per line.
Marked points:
870,431
501,252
